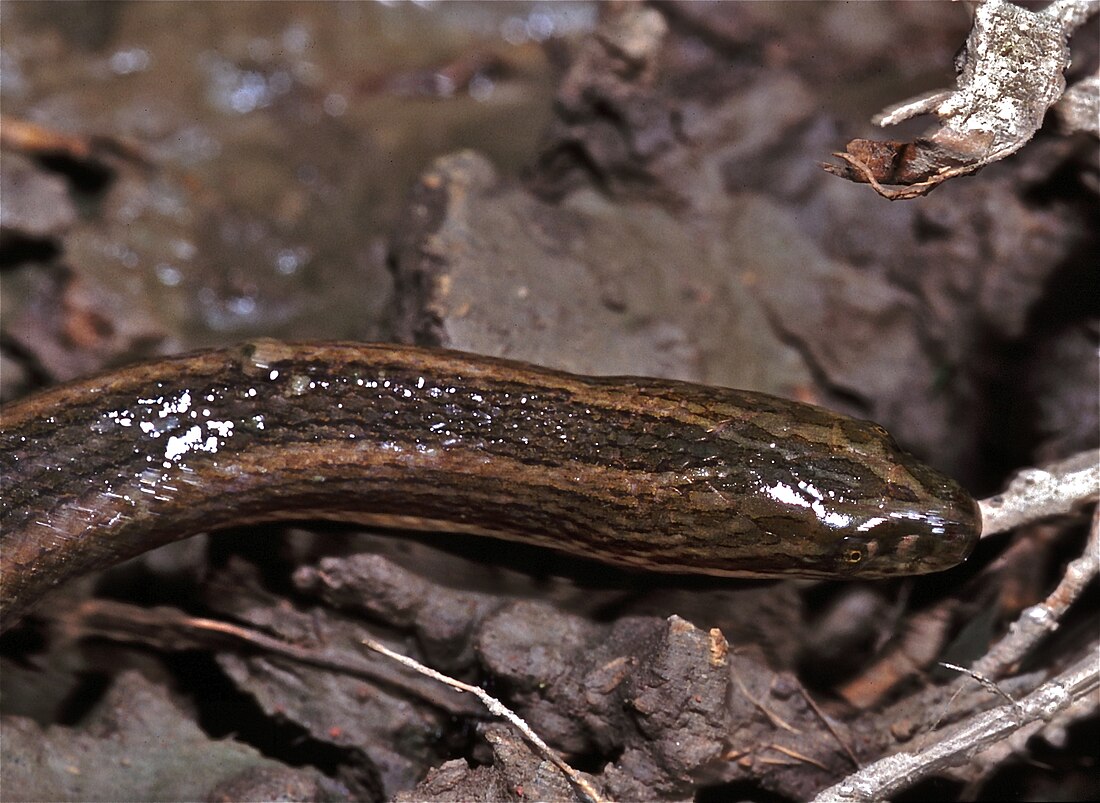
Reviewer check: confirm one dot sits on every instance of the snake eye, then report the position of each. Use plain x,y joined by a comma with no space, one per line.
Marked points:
853,552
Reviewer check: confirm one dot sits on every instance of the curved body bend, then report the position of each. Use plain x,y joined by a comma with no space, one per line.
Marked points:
643,473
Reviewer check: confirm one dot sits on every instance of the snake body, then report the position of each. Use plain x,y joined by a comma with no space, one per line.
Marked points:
643,473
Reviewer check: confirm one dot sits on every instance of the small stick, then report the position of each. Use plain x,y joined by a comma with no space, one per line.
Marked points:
497,708
890,775
1037,493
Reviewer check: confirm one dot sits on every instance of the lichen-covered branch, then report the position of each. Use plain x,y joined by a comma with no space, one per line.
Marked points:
1011,73
1038,493
895,773
1001,730
1079,107
1040,620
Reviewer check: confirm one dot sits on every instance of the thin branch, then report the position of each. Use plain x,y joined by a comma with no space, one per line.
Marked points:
497,708
173,630
1012,72
829,724
1039,620
1079,108
895,773
1017,718
1038,493
1071,13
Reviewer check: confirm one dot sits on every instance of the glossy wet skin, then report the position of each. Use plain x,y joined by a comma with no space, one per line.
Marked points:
649,474
813,493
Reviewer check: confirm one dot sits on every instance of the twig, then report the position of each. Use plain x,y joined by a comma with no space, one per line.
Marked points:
497,708
1039,620
1037,493
982,680
893,773
1079,108
897,772
829,724
774,718
1011,73
173,630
